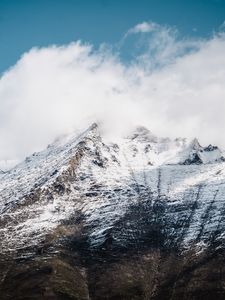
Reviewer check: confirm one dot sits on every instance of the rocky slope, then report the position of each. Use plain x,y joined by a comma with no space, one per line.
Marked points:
141,218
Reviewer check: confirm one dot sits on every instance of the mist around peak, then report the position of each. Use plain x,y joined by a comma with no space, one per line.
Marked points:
173,85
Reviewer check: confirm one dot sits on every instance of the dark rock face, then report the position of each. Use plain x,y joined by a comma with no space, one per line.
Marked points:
86,220
195,159
138,271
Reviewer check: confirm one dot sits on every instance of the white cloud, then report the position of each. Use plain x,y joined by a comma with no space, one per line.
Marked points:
144,27
53,90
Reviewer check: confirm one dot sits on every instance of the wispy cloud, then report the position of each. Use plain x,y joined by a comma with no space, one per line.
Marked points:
174,86
158,45
143,27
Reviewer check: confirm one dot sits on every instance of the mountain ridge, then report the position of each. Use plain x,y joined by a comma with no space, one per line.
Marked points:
85,207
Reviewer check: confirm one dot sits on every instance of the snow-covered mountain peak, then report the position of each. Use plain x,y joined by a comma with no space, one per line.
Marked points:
139,201
142,134
196,154
42,168
178,151
82,172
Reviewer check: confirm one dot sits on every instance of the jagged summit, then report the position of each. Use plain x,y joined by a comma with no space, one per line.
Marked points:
179,150
202,155
44,167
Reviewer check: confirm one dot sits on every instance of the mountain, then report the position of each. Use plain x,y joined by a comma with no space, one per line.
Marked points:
142,217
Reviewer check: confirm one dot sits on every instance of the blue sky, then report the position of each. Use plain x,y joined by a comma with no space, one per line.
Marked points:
28,23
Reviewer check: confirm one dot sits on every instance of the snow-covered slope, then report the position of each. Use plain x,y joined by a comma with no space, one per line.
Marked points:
176,183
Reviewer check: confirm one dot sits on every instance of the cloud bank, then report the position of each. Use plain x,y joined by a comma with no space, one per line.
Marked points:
174,86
